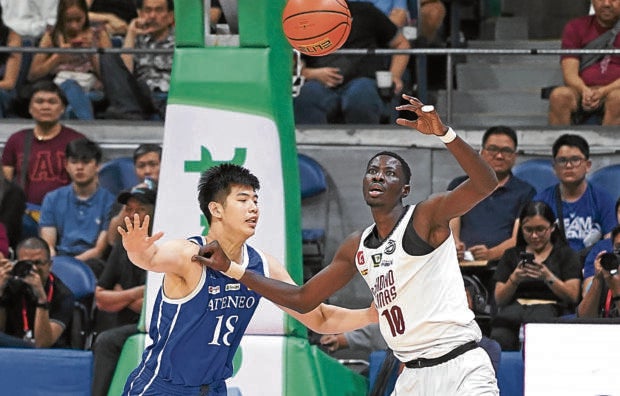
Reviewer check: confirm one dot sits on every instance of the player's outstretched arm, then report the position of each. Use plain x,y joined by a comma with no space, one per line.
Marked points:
173,257
482,180
325,319
302,299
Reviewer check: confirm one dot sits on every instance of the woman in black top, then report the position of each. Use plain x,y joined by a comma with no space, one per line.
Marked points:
9,66
537,278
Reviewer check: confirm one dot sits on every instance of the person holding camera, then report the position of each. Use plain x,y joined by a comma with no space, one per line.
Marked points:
35,305
537,279
601,296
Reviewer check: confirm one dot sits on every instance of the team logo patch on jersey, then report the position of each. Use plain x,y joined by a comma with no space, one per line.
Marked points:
386,263
391,247
376,259
214,290
360,258
233,287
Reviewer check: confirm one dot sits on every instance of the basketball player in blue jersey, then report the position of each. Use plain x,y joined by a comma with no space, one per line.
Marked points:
408,258
200,315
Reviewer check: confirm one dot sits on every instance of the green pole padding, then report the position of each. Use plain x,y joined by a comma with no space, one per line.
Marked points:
309,371
129,359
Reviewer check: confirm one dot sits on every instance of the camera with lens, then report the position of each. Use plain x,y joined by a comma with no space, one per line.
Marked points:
22,268
611,261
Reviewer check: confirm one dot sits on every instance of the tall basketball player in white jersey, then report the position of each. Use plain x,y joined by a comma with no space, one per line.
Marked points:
408,258
200,314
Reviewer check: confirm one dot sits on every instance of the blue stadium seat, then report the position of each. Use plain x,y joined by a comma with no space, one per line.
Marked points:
82,282
313,184
538,172
607,178
118,174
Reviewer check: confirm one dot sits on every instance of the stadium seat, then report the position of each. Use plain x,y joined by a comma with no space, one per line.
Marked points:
537,171
118,174
313,186
607,178
81,280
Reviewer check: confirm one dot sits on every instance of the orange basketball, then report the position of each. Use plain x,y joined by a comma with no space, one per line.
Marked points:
316,27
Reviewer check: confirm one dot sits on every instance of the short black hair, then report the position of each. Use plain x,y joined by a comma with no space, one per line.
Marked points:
48,86
146,148
83,149
215,184
169,4
34,243
571,141
500,130
403,163
614,233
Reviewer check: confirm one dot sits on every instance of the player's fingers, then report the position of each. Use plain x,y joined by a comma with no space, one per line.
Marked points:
121,231
128,223
156,237
146,222
136,221
406,122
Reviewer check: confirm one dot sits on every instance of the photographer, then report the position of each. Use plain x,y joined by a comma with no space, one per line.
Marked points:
537,279
602,293
35,306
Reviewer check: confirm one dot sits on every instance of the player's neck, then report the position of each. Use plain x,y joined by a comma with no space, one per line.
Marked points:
232,246
385,221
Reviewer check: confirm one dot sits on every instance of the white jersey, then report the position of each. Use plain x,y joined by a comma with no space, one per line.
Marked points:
423,311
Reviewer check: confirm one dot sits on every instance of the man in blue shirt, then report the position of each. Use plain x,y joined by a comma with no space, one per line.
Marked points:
74,218
489,228
586,213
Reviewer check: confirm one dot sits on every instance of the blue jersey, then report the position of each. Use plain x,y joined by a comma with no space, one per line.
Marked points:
195,338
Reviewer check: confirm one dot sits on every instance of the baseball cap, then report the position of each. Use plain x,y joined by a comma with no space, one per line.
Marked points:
141,193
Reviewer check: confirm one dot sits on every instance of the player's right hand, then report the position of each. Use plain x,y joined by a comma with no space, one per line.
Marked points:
212,255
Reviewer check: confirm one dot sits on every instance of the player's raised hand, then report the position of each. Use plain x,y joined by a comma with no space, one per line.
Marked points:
212,255
427,122
135,236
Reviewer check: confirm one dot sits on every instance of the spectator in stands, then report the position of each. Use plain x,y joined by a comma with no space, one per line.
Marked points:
10,63
115,15
48,139
341,86
396,10
585,213
35,306
146,160
29,18
590,268
78,75
432,15
535,288
591,80
74,218
490,227
153,29
12,206
601,289
120,289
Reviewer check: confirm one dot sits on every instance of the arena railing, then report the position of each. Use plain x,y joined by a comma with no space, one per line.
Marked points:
450,53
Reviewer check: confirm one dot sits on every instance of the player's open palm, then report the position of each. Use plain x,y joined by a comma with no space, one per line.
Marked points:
135,235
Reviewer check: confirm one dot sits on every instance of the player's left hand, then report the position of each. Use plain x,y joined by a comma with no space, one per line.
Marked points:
136,237
428,121
212,255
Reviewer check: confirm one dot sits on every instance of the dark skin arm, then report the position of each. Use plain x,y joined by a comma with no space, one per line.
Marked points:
299,298
431,221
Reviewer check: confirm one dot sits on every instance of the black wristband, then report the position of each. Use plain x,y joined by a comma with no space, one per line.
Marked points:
45,305
615,299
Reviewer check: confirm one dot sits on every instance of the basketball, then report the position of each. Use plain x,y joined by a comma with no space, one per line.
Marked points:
316,27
